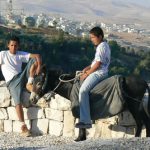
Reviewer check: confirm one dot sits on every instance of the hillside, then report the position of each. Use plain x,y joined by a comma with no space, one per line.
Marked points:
116,11
62,51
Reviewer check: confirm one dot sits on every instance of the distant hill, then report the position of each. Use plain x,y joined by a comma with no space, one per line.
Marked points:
114,11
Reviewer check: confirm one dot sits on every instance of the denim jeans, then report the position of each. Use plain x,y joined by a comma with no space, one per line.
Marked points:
17,84
88,84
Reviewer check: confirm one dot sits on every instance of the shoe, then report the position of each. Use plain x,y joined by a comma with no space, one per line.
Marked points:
83,125
25,132
29,87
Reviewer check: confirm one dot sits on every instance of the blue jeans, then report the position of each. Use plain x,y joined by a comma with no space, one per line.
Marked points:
88,84
17,84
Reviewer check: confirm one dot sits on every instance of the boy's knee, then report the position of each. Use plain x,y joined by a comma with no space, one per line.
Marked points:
18,104
83,90
34,63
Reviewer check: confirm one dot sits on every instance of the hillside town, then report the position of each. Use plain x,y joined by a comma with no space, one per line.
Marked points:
76,28
13,18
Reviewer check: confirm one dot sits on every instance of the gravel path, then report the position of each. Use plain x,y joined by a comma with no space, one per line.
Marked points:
47,142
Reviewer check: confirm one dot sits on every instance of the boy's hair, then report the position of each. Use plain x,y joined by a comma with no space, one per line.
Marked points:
97,31
14,38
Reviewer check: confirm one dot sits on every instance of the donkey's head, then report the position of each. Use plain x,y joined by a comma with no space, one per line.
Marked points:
39,84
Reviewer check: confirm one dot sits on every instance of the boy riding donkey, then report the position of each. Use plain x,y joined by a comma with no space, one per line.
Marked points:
93,74
11,65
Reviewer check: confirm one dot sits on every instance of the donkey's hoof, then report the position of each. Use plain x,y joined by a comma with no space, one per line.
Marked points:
80,139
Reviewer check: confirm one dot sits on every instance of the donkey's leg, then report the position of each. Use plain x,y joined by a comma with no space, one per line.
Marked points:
146,121
82,135
147,126
136,115
139,128
139,123
135,110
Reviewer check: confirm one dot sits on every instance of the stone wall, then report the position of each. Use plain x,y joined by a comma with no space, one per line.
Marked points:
55,118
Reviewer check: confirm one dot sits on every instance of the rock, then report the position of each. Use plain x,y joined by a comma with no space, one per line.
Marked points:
4,97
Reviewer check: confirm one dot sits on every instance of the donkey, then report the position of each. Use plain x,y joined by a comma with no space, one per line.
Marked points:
133,88
39,85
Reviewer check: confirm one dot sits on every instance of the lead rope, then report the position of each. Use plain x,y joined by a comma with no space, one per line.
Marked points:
78,74
52,93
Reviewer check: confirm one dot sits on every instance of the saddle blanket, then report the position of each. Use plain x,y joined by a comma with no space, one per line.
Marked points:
105,98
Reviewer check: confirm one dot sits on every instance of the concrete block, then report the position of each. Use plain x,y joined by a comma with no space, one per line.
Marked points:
60,103
69,124
40,126
1,125
55,128
54,114
3,114
8,125
33,113
17,125
4,97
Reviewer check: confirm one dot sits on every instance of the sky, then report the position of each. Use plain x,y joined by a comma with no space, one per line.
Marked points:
59,5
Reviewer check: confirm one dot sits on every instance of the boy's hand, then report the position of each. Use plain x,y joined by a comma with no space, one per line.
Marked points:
84,76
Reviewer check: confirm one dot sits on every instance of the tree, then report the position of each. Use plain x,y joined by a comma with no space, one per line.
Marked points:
115,48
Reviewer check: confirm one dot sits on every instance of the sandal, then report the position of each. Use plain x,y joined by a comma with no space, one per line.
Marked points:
25,131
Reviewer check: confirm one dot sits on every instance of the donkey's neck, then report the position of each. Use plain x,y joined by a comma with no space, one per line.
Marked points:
65,90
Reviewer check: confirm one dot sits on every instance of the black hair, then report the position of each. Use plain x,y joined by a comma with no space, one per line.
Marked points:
14,38
97,31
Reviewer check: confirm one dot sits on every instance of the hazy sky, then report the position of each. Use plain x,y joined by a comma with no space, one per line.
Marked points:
56,5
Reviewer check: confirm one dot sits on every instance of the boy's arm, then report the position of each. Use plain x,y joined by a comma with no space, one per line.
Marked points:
94,67
91,70
38,60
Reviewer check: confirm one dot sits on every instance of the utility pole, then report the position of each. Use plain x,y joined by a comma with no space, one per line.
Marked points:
7,8
10,7
1,9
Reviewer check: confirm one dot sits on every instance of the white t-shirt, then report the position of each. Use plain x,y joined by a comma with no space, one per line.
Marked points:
103,55
11,63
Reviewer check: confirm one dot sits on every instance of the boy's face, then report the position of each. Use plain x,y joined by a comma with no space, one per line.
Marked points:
95,40
13,46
